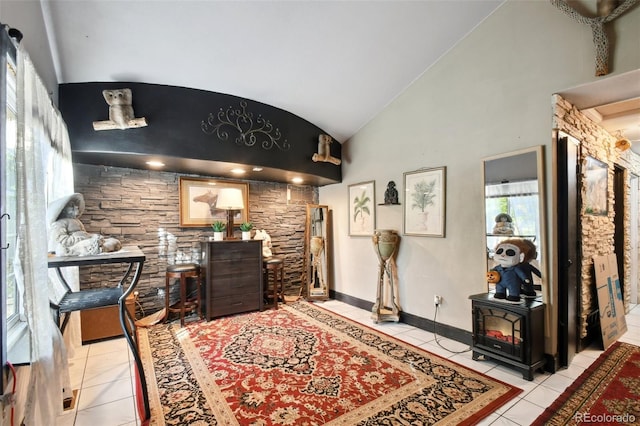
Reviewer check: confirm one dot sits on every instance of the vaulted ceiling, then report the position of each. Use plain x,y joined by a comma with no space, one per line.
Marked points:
334,63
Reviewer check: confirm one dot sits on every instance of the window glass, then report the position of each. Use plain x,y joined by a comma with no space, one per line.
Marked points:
9,179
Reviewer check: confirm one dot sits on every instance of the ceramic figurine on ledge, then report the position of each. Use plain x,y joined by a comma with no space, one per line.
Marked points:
120,111
67,235
324,151
391,194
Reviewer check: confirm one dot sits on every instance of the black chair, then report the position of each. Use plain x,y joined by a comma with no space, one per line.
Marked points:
85,299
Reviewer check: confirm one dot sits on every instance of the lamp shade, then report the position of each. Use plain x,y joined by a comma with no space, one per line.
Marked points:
623,144
230,199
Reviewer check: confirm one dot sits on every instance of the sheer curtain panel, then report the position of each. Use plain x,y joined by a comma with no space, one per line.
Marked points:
42,136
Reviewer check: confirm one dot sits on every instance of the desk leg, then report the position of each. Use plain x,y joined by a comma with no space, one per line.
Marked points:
129,328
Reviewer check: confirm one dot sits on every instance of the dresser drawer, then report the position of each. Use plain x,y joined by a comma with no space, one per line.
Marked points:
248,252
222,269
221,306
232,287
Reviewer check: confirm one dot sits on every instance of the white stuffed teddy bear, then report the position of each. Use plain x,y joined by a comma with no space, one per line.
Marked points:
266,242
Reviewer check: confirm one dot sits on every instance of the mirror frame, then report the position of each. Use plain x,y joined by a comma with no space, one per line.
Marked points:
309,277
540,160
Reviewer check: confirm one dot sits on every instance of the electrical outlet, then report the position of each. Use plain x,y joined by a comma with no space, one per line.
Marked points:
437,300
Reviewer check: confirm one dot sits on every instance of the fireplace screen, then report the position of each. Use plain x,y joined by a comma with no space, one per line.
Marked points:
499,330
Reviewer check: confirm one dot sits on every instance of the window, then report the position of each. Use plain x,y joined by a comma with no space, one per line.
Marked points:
14,331
520,201
9,202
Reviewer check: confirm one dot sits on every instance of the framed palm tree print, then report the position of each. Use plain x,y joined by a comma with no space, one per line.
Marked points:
362,211
424,203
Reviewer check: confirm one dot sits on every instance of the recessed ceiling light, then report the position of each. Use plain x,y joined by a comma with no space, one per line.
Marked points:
155,163
257,169
297,180
237,171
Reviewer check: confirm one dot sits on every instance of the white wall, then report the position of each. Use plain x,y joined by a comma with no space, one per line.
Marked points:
490,94
26,16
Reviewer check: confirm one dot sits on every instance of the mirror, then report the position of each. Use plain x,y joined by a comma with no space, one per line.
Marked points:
514,205
317,243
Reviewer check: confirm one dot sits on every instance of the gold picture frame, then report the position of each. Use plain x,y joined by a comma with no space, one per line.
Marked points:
198,197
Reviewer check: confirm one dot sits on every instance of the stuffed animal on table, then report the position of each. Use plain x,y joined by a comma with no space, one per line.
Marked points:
508,256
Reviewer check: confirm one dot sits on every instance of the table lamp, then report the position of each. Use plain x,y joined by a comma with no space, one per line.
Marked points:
230,199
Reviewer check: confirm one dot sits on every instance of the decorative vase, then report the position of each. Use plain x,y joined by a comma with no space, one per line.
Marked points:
385,244
246,235
218,236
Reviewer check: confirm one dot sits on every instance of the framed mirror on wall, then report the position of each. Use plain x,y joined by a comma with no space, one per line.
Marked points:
317,246
514,206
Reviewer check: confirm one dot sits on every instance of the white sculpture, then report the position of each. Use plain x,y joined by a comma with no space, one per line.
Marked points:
120,111
266,242
67,235
324,151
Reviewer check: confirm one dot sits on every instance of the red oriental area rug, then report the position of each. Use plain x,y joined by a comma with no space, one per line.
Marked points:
303,365
607,393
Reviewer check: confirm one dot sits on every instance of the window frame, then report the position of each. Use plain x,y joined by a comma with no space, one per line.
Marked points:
15,332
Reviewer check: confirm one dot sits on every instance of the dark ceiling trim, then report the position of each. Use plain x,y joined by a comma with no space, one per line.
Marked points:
175,131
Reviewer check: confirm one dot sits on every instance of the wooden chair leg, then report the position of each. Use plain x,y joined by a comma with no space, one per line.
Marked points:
183,298
167,292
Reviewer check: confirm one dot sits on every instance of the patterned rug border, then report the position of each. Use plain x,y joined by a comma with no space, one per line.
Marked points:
418,348
559,413
194,372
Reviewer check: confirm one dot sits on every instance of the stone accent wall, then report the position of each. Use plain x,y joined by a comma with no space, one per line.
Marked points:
133,205
597,233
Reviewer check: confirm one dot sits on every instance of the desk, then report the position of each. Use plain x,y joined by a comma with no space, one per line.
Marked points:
93,298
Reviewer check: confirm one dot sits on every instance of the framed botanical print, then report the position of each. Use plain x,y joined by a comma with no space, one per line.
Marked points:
362,211
424,203
198,202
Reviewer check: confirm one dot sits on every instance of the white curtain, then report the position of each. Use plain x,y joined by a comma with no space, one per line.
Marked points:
42,136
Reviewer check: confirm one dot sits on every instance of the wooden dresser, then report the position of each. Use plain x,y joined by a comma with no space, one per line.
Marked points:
232,276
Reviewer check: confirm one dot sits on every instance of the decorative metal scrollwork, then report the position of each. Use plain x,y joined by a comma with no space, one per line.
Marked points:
249,130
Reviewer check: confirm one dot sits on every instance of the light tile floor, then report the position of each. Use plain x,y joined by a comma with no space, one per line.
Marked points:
102,372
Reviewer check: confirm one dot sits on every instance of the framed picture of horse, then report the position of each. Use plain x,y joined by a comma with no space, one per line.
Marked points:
199,201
